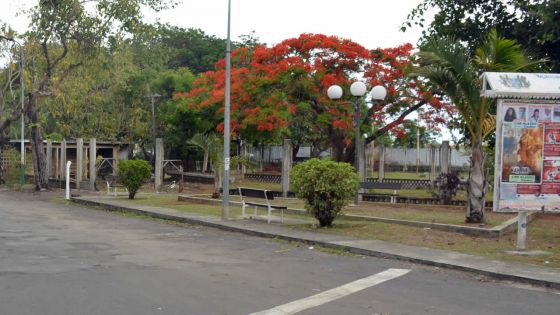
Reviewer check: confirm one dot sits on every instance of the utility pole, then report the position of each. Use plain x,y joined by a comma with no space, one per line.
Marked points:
153,96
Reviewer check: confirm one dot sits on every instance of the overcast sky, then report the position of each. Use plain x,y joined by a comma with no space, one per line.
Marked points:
371,23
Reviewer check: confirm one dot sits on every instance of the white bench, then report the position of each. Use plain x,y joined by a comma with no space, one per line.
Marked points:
382,185
267,195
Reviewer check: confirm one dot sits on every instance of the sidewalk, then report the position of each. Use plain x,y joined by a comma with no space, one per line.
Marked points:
476,264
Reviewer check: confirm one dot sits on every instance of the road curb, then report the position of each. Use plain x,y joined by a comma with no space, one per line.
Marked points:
352,249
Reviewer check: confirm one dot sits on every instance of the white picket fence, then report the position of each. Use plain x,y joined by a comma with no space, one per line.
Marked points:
393,156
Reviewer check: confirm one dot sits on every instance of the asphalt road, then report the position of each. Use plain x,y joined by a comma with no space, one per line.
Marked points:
58,259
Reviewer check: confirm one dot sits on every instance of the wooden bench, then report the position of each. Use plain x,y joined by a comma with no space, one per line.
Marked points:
267,195
383,185
114,184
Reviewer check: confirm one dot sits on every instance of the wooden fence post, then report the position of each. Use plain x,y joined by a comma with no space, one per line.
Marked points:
49,158
286,166
79,161
381,174
159,165
92,159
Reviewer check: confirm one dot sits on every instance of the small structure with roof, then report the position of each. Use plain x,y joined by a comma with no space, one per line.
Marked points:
527,160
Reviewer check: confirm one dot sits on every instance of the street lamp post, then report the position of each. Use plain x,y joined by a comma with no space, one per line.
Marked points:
22,83
358,90
225,184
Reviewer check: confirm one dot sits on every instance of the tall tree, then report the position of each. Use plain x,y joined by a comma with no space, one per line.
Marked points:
533,23
448,65
191,48
64,28
280,91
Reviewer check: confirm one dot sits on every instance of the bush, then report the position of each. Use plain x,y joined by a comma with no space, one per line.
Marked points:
133,174
325,186
447,185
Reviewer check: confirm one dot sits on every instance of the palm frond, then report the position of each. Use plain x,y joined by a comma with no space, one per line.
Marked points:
500,54
446,64
488,125
209,143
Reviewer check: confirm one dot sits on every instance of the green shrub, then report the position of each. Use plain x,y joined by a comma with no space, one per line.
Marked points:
325,186
133,174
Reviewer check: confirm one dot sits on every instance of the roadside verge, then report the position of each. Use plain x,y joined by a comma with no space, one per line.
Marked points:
535,275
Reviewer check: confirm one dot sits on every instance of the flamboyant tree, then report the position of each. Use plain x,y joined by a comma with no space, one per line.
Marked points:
280,91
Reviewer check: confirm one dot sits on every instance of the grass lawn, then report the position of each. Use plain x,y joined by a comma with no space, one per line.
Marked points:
170,201
242,182
424,213
414,212
543,232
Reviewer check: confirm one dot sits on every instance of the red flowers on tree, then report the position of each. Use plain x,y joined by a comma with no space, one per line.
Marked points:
280,91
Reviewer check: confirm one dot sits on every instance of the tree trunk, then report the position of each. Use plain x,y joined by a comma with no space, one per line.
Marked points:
337,146
147,155
477,185
205,162
295,151
217,184
350,154
37,149
1,168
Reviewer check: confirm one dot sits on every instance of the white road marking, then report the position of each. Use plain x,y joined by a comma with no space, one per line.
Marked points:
334,294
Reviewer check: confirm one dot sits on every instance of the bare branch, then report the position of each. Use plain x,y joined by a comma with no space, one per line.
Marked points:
62,55
66,72
392,124
8,121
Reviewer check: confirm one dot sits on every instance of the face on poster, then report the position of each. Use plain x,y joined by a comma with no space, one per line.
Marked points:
521,154
530,158
515,113
551,171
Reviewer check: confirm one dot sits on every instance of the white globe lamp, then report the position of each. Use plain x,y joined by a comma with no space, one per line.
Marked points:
334,92
358,88
378,93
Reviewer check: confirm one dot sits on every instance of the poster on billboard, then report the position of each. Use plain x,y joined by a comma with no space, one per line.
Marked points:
528,159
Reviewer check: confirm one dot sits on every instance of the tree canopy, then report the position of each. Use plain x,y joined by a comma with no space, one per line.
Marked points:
532,23
280,91
65,36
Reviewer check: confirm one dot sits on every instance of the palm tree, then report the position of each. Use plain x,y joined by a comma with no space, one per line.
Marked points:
448,65
213,150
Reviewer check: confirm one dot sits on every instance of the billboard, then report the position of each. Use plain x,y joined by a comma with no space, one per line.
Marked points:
527,156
